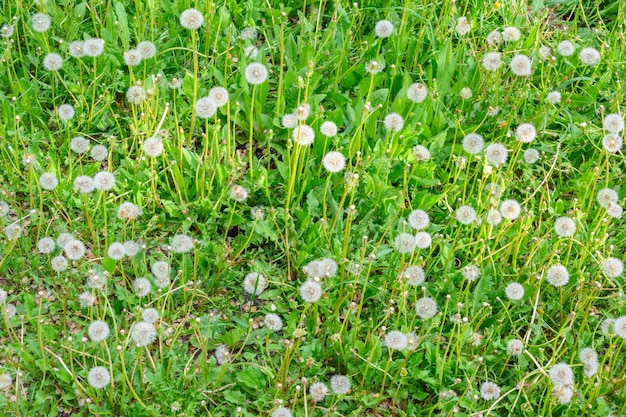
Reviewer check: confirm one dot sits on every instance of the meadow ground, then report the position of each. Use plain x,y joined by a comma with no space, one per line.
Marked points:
312,208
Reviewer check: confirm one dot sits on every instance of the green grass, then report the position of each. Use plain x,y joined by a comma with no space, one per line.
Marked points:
253,200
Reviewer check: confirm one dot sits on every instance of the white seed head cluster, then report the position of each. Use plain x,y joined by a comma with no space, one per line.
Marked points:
99,377
328,129
418,219
273,322
334,162
383,29
143,333
318,391
182,243
465,214
256,73
303,135
489,391
311,291
564,226
470,272
417,92
515,347
526,133
413,275
254,283
514,291
191,19
557,275
589,56
426,308
393,122
473,143
521,66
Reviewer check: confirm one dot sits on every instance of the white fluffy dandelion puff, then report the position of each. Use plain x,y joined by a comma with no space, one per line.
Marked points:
191,19
334,162
99,377
256,73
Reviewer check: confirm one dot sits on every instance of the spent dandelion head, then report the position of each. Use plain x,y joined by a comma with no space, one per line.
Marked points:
191,19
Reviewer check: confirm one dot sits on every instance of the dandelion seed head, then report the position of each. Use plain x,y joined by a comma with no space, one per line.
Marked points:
615,211
142,287
93,47
282,412
393,122
302,112
150,315
561,375
131,248
613,123
59,263
289,121
116,251
496,154
104,181
147,49
510,209
182,243
132,57
465,214
136,95
426,308
318,391
77,49
40,22
492,61
128,211
470,272
421,153
565,48
531,155
65,112
340,384
564,226
489,391
553,97
511,34
303,135
473,143
222,354
143,333
205,107
273,322
328,129
413,275
52,62
256,73
463,26
79,144
98,331
153,147
99,377
526,133
334,162
86,299
588,356
423,240
612,267
383,29
619,326
515,347
404,243
557,275
514,291
396,340
494,38
191,19
418,219
84,184
48,181
589,56
311,291
6,31
612,143
46,245
99,153
239,193
374,67
251,51
219,95
160,269
417,92
254,283
521,65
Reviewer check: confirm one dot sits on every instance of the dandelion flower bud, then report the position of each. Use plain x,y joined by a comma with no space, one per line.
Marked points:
48,181
565,48
565,227
136,95
394,122
328,129
254,283
334,162
153,147
426,308
303,135
557,275
99,377
514,291
311,291
104,181
473,143
191,19
219,95
521,65
589,56
143,333
318,391
383,29
52,62
526,133
98,331
147,49
40,22
489,391
256,73
93,47
613,123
